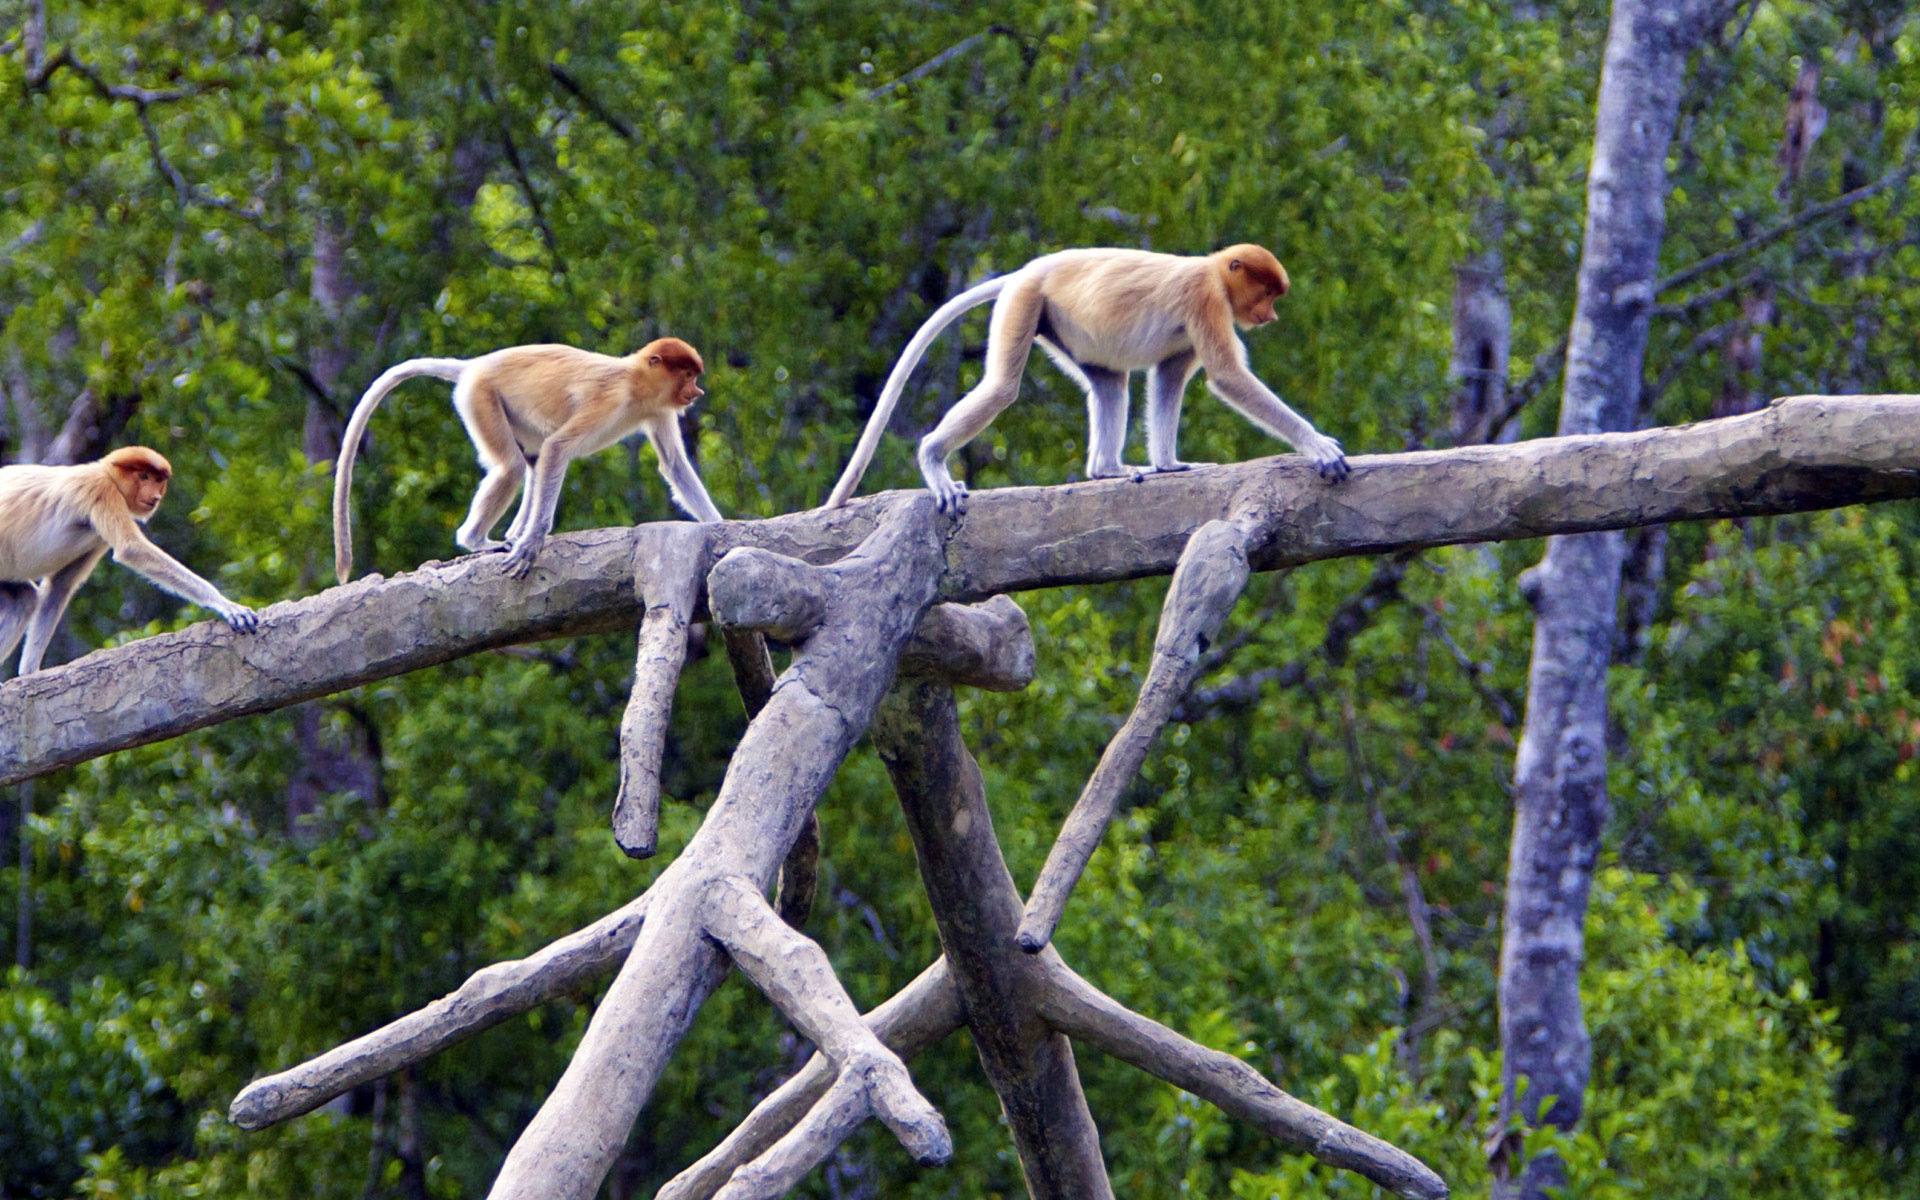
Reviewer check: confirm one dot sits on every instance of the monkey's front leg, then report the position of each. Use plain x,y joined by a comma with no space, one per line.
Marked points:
1166,388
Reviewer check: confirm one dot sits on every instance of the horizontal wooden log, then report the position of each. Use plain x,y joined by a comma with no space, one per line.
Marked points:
1805,453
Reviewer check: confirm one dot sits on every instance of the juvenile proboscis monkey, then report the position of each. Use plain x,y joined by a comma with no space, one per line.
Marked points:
539,408
57,523
1100,315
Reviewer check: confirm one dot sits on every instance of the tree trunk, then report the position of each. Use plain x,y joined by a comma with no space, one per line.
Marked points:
1560,772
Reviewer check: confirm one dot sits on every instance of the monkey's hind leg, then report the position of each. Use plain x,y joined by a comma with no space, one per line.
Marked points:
1106,422
17,602
519,522
485,417
1016,318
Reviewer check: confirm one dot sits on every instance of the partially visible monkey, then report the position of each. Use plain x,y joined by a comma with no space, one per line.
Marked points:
542,407
1100,315
57,523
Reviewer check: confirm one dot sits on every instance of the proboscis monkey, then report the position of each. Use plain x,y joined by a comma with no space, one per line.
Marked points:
539,408
57,523
1101,315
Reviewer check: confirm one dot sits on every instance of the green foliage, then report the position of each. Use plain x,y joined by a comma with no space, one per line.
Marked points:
1798,811
81,1076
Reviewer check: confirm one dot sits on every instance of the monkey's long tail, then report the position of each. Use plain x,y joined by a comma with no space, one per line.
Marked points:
910,358
439,368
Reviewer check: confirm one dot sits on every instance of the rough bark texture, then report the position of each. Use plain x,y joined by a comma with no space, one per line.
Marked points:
1560,799
1800,454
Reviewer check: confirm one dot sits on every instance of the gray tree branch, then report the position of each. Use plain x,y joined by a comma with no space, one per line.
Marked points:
492,995
1082,1011
1805,453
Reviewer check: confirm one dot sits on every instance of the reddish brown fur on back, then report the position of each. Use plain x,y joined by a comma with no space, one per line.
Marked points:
139,458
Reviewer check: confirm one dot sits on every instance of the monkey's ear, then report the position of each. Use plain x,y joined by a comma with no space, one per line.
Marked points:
653,360
1234,265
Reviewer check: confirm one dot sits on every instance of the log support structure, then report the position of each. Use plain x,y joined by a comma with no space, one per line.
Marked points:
887,608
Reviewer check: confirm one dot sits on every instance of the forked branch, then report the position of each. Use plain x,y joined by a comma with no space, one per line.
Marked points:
1020,1008
872,1081
918,1016
789,753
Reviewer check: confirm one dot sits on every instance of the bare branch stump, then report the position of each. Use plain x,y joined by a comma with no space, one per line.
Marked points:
492,995
1078,1009
670,560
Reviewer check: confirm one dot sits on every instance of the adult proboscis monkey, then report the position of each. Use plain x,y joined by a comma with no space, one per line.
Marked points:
1100,315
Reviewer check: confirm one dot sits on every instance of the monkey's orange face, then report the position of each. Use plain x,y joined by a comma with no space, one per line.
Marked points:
1254,283
144,489
688,389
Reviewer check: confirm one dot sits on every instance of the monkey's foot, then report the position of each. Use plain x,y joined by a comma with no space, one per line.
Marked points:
520,557
1335,471
1167,468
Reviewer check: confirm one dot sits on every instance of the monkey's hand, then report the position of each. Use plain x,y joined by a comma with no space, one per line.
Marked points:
1327,458
240,617
520,555
949,493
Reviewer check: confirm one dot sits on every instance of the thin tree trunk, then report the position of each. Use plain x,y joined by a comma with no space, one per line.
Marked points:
1482,336
331,761
1560,797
